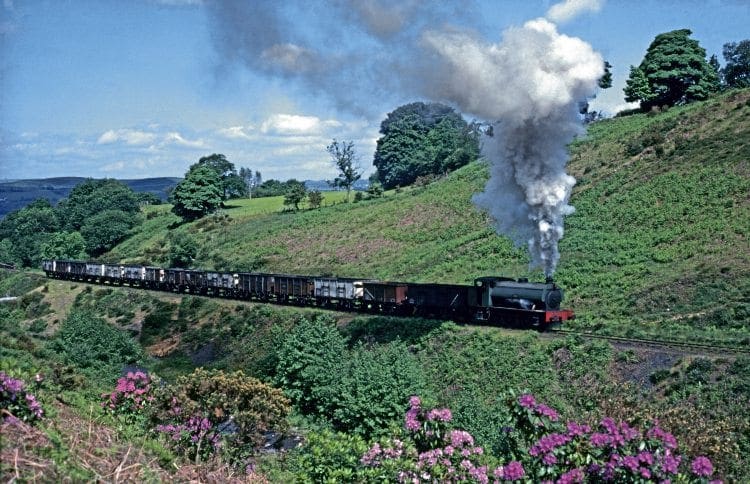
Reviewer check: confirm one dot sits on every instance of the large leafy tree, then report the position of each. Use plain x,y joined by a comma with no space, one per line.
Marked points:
675,70
232,185
736,72
105,229
95,196
345,158
198,194
26,230
420,139
64,245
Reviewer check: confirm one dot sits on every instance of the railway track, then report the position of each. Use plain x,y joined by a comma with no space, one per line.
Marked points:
663,343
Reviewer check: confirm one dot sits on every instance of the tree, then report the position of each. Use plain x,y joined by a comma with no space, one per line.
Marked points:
605,82
182,250
636,87
675,70
95,196
736,72
198,194
26,230
64,245
232,185
251,179
314,198
295,194
375,189
346,161
104,230
419,139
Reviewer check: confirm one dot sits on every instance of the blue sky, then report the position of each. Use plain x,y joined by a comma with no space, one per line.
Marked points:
141,88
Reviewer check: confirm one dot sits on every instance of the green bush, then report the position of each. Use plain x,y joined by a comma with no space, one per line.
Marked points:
328,457
89,342
373,388
309,360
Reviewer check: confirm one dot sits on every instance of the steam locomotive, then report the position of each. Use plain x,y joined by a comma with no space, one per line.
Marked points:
490,300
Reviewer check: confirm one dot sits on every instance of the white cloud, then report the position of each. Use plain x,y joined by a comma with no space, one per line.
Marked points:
297,125
116,166
236,132
291,124
128,136
568,9
176,138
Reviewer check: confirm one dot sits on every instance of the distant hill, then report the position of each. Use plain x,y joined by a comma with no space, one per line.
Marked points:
19,193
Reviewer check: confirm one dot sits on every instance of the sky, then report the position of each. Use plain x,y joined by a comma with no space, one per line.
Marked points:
144,88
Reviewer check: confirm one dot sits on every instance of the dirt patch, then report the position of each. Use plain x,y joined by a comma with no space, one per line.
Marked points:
85,447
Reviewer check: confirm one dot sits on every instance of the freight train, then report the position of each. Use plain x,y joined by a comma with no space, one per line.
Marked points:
490,300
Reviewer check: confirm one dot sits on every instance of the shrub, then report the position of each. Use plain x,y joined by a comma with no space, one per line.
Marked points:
90,342
310,358
131,397
16,402
210,411
369,394
548,451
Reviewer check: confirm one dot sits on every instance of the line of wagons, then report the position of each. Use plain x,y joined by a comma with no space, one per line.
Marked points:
490,300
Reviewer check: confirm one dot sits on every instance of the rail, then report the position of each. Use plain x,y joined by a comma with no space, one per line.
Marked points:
658,342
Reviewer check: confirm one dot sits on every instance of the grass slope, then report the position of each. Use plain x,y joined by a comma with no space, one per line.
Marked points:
659,240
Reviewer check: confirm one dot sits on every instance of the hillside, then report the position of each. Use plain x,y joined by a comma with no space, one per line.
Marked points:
658,245
659,240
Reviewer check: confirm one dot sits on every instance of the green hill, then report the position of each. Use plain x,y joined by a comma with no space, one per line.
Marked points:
658,245
659,240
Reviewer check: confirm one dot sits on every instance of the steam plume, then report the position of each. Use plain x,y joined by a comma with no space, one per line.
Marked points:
530,84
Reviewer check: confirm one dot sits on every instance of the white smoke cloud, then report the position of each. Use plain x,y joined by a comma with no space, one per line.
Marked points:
529,86
568,9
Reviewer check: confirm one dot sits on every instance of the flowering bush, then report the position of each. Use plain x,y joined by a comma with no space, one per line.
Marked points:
210,411
556,452
131,396
16,402
196,437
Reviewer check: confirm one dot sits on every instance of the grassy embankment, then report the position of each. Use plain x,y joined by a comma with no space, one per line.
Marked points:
658,243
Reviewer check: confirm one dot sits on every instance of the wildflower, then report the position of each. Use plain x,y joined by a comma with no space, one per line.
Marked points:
527,400
575,429
441,415
411,421
549,459
415,402
573,476
34,405
460,437
599,440
701,466
512,471
548,412
670,463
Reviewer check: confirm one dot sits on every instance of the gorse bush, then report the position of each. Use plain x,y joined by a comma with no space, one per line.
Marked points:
209,412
